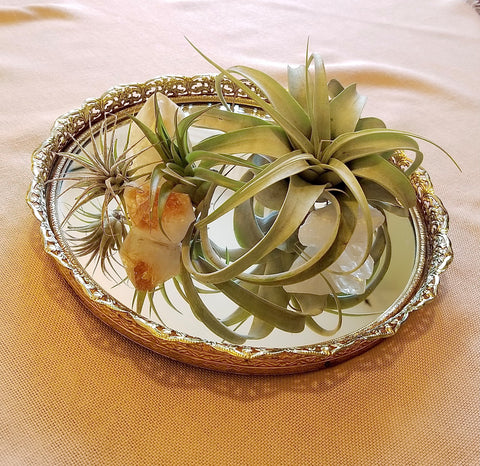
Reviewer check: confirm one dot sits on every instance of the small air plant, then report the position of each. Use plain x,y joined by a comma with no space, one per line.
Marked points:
100,170
99,237
98,176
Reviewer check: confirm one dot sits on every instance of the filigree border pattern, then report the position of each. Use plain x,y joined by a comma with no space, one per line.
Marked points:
432,221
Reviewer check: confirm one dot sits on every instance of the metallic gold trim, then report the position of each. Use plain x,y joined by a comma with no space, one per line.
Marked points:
429,217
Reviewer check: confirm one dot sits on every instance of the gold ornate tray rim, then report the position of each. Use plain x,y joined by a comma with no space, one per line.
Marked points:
431,218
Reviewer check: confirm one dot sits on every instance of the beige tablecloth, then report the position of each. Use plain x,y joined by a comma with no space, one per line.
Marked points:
73,391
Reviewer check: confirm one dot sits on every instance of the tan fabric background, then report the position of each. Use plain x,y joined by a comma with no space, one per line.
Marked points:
72,391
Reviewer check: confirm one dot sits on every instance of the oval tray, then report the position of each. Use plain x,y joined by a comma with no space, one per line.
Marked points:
429,218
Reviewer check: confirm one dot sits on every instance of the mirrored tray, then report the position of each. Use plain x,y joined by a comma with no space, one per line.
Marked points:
420,252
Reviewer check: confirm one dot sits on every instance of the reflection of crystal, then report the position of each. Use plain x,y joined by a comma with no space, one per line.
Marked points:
314,233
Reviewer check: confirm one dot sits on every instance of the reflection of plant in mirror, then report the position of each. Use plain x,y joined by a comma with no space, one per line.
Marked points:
312,167
99,236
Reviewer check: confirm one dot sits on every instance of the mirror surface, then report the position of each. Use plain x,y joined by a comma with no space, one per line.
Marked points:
178,316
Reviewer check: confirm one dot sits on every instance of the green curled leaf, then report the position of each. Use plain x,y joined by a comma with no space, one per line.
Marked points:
204,315
297,85
311,304
275,315
182,127
282,168
347,209
268,140
218,178
260,329
368,142
300,198
369,123
378,170
334,88
271,313
352,184
238,316
278,96
210,159
245,226
320,108
297,137
345,110
226,120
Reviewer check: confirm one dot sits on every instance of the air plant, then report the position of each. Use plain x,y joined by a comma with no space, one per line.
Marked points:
99,237
160,204
98,171
98,174
314,154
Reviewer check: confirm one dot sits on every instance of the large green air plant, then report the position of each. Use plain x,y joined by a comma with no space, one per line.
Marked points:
313,149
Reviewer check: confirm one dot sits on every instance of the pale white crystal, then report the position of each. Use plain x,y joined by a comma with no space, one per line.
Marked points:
359,236
148,156
315,285
315,231
318,227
